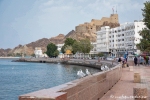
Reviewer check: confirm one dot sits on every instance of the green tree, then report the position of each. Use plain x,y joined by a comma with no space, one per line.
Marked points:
62,49
69,42
100,54
144,45
10,54
67,47
76,47
56,53
51,49
146,14
18,54
33,55
85,46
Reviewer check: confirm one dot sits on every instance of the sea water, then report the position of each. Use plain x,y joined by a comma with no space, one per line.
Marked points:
17,78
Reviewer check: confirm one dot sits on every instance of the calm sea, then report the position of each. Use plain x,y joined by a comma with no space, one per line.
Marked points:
17,78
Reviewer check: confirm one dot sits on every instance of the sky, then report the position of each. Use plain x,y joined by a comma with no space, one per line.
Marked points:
25,21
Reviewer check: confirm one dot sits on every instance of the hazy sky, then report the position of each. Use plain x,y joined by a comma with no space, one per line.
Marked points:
25,21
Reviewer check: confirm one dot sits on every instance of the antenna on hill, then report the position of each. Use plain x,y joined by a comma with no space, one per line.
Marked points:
113,10
116,9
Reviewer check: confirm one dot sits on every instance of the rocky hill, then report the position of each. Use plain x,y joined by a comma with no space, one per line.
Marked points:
4,52
29,48
58,39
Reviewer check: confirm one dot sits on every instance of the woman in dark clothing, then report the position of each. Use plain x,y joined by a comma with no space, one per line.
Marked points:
119,60
135,61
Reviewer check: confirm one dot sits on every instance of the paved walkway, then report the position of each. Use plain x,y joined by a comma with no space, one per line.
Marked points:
123,90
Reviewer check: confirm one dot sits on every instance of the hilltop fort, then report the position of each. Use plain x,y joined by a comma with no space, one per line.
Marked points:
88,29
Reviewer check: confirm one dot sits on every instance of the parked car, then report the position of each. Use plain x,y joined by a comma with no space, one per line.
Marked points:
109,58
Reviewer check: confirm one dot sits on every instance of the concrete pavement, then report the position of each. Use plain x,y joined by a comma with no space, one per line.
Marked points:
123,90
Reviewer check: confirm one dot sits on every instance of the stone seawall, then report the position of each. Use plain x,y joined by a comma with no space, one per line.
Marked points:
91,87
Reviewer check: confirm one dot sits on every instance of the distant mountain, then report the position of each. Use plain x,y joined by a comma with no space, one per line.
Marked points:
29,48
4,52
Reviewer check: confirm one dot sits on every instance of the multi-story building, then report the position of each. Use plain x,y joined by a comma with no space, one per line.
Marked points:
120,40
103,39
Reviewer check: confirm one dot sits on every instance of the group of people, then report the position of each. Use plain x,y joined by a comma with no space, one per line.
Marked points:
124,61
142,60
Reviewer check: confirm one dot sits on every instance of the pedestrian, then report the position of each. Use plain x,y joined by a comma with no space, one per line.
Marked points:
99,59
147,58
149,61
138,61
144,61
119,60
135,60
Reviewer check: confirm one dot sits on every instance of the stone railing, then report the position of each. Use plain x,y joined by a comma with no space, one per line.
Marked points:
91,87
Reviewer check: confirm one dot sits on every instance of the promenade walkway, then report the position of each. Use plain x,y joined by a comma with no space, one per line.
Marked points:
123,90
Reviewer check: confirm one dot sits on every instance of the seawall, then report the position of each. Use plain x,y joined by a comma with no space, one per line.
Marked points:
80,62
91,87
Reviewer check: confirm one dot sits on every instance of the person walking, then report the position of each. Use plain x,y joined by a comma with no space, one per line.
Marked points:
147,58
119,60
135,60
138,61
144,62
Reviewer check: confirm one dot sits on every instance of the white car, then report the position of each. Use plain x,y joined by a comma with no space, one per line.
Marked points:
109,58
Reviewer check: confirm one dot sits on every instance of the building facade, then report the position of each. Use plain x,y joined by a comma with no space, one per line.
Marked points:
120,40
38,52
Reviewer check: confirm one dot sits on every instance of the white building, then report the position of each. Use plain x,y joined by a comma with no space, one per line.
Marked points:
120,40
38,52
59,46
103,39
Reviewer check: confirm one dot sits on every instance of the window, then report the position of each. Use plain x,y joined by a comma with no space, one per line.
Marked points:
122,34
133,32
122,39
